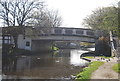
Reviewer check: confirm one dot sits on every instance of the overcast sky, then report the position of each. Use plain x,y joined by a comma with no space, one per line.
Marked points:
74,11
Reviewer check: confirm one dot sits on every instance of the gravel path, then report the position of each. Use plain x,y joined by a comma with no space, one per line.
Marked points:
105,71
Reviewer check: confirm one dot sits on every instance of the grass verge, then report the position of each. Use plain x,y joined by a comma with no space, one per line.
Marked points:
87,72
92,57
116,67
105,57
89,57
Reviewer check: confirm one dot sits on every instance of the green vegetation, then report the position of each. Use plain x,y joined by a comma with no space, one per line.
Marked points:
86,44
89,57
116,67
105,57
104,19
86,73
54,48
92,57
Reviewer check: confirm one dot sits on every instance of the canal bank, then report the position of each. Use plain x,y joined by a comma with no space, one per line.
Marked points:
99,69
108,73
87,71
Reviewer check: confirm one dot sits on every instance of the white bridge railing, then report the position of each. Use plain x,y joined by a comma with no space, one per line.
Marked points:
65,31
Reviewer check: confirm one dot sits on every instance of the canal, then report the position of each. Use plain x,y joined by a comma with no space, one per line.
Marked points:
61,64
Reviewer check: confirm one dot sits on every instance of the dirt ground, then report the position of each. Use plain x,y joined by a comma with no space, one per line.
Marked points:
105,71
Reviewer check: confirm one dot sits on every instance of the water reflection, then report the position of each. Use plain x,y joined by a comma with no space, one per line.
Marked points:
75,58
58,65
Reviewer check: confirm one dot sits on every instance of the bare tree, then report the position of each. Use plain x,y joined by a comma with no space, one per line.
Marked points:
55,19
18,12
46,18
4,12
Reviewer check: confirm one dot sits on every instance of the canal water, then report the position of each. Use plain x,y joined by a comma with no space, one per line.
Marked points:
61,64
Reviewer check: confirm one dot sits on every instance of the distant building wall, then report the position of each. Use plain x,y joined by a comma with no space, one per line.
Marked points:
24,43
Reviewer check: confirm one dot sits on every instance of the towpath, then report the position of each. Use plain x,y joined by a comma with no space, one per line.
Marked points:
105,71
